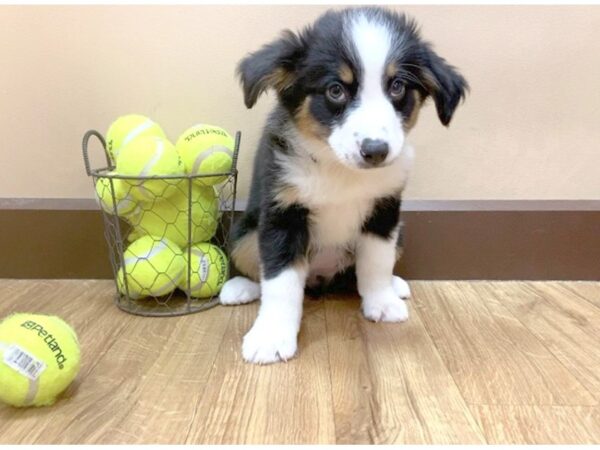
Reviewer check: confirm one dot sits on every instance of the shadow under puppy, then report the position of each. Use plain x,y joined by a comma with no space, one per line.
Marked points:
331,166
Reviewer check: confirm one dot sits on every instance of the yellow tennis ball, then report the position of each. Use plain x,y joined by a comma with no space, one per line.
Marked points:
126,205
39,358
209,270
127,128
150,156
169,217
206,149
153,267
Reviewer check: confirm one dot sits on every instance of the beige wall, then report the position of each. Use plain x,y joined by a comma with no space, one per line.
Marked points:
529,130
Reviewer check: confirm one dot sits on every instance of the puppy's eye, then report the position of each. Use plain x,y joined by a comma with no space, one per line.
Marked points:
336,93
396,88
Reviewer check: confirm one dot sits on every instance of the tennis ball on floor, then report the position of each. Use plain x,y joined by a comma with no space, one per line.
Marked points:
169,217
127,128
150,156
126,205
206,149
153,267
209,270
39,358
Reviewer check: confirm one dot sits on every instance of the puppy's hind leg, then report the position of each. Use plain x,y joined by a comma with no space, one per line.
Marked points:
240,290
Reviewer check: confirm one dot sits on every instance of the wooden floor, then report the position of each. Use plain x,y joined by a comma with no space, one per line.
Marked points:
477,362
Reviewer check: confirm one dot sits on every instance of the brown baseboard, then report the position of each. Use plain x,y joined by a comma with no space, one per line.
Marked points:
502,245
439,244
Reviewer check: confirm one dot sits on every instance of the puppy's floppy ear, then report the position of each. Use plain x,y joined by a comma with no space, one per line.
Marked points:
273,66
443,83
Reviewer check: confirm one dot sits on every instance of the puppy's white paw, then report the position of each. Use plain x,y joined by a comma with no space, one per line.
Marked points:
384,306
268,343
401,287
239,290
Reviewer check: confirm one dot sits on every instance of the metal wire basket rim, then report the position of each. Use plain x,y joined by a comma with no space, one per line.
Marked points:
103,173
109,167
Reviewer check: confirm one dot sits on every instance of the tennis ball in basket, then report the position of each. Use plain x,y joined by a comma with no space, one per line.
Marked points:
125,203
39,358
169,217
206,149
127,128
153,267
150,156
209,270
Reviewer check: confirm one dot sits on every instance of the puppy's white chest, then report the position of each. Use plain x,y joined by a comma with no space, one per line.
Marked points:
334,225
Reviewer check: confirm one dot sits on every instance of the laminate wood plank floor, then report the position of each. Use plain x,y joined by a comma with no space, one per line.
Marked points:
477,362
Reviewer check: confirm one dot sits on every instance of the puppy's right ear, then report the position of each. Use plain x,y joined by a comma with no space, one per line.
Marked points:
273,66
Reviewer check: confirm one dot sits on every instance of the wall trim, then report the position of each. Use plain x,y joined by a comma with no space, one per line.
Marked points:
80,204
560,243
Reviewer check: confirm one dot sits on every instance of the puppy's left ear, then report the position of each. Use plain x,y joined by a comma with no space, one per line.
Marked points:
443,83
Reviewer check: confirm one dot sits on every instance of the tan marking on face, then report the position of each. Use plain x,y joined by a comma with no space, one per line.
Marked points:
245,255
346,74
411,121
391,70
308,125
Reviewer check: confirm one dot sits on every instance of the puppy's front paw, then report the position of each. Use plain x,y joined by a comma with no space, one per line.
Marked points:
267,343
384,306
401,287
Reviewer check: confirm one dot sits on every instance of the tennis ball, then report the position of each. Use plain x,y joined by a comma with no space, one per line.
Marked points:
127,128
39,358
169,217
148,156
206,149
153,266
209,270
125,203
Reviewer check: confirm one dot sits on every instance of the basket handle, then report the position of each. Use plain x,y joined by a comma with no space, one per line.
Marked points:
84,145
236,150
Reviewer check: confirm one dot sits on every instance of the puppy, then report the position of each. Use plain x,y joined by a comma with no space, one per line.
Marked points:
331,166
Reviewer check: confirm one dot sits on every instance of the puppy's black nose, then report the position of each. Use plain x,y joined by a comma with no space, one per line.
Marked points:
374,151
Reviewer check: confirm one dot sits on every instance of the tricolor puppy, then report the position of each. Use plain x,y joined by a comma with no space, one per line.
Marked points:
331,166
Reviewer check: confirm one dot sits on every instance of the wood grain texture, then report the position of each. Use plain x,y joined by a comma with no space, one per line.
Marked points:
281,403
558,315
395,389
539,425
493,357
477,362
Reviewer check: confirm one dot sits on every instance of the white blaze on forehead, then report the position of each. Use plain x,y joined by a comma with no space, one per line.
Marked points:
371,115
372,41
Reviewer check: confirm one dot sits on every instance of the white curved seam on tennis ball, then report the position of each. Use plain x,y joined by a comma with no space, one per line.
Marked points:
137,131
169,284
33,385
205,154
32,391
158,151
146,169
133,259
123,204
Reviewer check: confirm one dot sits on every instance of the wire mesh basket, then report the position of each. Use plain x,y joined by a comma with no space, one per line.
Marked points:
167,235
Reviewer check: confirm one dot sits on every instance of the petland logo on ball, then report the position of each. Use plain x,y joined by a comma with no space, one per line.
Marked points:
50,341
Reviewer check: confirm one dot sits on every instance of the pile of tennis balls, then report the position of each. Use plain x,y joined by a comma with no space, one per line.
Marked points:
39,358
156,261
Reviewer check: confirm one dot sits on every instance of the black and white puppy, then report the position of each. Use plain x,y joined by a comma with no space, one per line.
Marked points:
331,166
